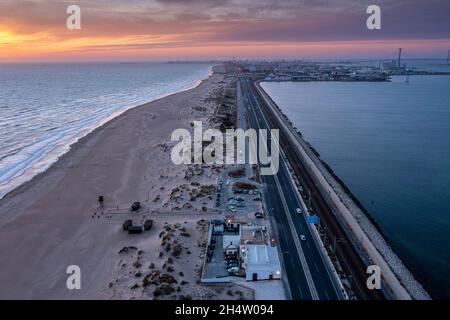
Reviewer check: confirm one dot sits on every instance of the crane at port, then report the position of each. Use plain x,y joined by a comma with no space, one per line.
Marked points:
399,56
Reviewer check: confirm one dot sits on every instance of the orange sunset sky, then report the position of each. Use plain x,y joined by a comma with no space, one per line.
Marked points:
35,30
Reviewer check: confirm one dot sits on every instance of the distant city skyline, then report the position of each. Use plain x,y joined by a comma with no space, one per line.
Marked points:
35,30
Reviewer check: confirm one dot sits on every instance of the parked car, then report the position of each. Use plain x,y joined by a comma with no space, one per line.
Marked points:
233,270
259,215
230,256
232,260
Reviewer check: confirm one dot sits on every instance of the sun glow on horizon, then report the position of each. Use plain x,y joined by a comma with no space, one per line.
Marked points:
15,46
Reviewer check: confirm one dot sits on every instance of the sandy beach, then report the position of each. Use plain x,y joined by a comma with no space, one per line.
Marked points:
55,220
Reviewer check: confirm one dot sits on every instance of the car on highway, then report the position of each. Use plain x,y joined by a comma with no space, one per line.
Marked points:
302,237
299,211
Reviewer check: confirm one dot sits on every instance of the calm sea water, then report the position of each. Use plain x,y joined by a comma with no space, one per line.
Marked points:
390,144
46,107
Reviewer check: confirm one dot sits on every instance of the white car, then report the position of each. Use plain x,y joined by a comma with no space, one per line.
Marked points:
299,211
233,270
302,237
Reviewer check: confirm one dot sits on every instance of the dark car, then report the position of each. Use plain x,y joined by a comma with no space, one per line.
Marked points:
259,215
126,224
234,259
148,224
230,257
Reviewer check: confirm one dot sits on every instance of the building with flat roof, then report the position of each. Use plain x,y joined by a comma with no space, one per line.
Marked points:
260,262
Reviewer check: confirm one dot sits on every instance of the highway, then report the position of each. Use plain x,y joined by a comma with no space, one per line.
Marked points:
350,261
308,276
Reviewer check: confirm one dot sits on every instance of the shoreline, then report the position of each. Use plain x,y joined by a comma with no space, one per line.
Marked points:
67,147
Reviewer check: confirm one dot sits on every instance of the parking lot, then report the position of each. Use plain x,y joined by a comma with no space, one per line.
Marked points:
232,200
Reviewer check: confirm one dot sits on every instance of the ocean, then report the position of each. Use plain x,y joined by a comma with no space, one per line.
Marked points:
44,108
390,144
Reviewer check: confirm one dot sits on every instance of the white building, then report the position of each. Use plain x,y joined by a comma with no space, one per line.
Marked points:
260,262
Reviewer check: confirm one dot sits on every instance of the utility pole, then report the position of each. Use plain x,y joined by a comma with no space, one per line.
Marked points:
399,56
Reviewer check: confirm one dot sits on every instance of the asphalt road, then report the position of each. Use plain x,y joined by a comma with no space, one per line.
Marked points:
305,268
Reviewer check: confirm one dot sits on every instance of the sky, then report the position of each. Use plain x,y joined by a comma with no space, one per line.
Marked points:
141,30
